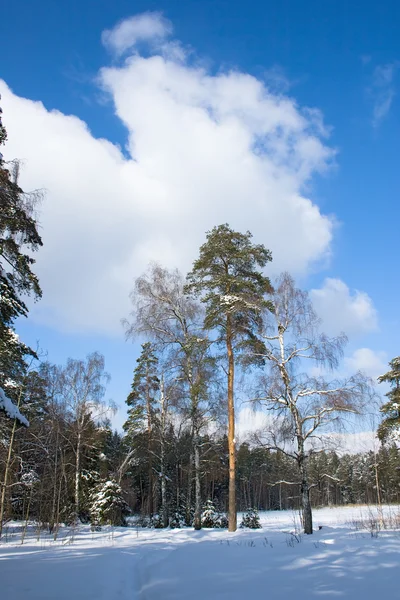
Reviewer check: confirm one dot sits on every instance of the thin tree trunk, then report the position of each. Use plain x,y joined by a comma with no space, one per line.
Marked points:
6,474
78,472
27,516
150,502
53,510
378,491
197,504
231,432
164,511
189,494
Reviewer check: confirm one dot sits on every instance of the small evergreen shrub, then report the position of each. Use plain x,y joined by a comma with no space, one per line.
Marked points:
156,521
211,518
177,520
251,519
108,506
222,522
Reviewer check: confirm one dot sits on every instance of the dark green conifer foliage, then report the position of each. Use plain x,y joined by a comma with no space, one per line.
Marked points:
142,398
391,409
18,235
142,411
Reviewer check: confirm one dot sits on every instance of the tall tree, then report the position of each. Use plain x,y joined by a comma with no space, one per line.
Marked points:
390,427
227,279
142,402
163,312
82,388
302,403
19,237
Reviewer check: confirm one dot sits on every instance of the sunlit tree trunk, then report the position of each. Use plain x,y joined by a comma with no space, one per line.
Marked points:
231,431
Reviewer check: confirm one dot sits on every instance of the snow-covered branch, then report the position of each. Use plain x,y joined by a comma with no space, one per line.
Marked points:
11,410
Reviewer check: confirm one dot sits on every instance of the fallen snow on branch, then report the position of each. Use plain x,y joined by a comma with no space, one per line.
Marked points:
11,410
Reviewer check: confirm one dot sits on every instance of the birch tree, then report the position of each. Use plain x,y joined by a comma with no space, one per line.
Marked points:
82,390
163,312
303,403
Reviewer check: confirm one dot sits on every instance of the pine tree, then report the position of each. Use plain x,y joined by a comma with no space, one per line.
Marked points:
226,277
251,519
108,506
389,429
18,234
142,408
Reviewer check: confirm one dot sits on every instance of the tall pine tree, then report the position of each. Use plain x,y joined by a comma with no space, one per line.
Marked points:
227,278
142,409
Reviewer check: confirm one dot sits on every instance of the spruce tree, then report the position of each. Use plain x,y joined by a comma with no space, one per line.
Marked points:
141,412
390,426
108,506
18,238
18,235
227,279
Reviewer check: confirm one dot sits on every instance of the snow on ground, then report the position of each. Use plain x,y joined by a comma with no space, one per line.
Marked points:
341,560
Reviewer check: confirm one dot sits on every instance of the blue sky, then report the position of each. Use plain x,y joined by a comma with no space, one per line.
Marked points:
165,74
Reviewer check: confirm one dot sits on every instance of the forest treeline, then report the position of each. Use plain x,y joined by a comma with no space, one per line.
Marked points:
222,329
42,481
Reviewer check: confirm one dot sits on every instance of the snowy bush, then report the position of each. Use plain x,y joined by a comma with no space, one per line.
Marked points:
156,521
251,519
222,521
211,518
140,521
108,505
177,520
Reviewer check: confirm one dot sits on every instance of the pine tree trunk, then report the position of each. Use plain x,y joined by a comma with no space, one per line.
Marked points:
150,502
231,432
197,505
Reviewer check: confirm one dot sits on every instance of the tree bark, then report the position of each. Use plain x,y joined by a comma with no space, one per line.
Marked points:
232,526
189,494
164,510
6,473
305,498
197,502
150,503
78,472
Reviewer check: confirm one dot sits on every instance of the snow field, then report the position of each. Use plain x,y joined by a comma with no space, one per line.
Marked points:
341,560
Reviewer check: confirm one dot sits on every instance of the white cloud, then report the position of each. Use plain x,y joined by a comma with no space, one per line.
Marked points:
250,421
382,91
146,27
348,443
369,361
342,310
204,149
